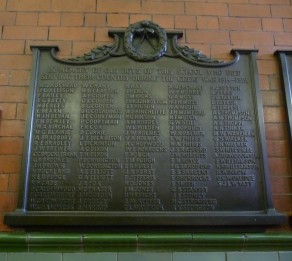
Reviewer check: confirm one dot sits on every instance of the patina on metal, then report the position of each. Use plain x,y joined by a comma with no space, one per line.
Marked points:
144,132
285,57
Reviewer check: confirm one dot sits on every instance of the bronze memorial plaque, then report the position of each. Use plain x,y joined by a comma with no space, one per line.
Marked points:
144,132
285,57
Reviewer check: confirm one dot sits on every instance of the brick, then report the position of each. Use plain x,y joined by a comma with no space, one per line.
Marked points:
215,37
275,83
229,23
7,18
207,22
74,6
283,203
80,48
11,146
228,1
115,6
17,62
250,24
279,166
169,8
264,82
72,19
281,11
134,18
25,32
272,2
272,24
281,185
266,52
273,98
13,94
27,18
221,52
12,128
2,4
11,46
14,180
9,164
216,9
269,67
4,228
8,202
275,114
276,131
19,78
101,35
287,25
185,22
4,182
4,77
71,33
49,19
117,20
8,111
165,21
247,38
283,38
21,111
248,10
278,148
97,20
28,5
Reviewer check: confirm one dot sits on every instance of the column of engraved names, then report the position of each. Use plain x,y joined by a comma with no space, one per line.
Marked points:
142,134
187,153
51,150
98,118
234,156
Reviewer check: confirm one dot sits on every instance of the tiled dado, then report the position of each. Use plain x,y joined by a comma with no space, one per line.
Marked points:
176,256
152,242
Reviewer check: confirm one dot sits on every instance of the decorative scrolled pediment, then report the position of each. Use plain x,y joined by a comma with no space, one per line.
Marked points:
146,41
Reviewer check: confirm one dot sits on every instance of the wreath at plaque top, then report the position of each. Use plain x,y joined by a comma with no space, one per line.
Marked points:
146,41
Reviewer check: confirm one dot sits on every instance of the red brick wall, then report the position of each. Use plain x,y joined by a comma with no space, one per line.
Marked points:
213,26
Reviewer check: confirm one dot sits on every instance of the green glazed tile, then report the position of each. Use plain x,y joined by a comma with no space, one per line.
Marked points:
252,256
54,238
285,256
13,238
214,256
164,239
3,256
218,239
90,257
100,239
269,239
13,248
144,256
34,257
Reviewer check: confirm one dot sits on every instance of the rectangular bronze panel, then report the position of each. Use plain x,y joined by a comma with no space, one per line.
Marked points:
286,65
119,137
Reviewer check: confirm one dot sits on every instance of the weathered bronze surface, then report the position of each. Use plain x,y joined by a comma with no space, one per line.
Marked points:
286,65
144,132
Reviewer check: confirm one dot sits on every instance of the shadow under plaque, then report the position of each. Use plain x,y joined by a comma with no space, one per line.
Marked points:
144,132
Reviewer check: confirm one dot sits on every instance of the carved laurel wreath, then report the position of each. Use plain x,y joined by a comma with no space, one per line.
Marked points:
146,30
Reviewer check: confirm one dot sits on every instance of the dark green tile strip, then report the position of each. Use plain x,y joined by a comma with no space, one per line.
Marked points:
125,242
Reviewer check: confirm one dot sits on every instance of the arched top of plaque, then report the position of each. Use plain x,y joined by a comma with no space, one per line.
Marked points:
146,41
